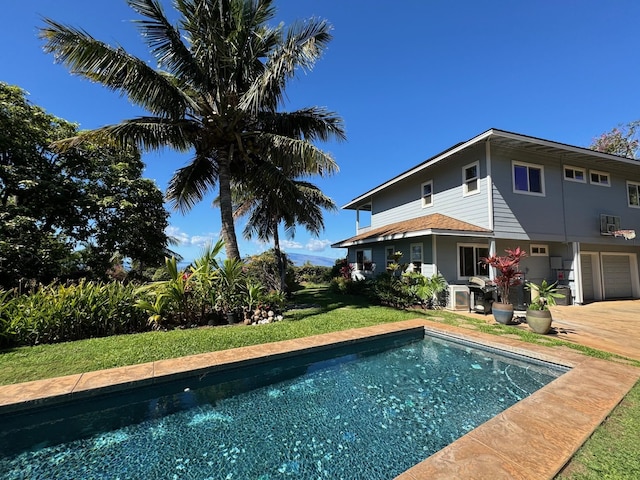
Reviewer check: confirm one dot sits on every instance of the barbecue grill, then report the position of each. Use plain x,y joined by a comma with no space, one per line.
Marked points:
482,293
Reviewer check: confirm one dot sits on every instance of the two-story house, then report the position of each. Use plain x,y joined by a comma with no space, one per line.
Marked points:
575,212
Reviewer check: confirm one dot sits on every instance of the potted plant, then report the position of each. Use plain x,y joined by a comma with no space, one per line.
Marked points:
508,275
538,314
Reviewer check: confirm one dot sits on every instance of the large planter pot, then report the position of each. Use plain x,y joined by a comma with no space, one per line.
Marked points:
502,312
539,320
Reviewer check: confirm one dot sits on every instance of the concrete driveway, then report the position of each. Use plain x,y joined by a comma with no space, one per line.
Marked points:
612,326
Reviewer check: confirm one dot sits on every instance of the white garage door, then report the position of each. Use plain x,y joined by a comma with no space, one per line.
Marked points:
616,272
588,292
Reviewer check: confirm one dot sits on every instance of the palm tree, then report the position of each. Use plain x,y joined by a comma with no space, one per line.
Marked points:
271,197
221,77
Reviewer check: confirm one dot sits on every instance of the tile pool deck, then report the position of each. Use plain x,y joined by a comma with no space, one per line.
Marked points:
533,439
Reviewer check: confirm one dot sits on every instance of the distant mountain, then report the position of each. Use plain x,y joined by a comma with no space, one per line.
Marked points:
300,259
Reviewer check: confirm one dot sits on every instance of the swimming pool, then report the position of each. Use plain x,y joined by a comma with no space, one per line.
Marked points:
362,411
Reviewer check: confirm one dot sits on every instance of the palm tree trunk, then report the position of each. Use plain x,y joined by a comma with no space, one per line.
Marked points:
279,260
226,212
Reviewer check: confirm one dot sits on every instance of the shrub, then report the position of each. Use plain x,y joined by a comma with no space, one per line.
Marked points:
309,273
407,290
58,313
263,269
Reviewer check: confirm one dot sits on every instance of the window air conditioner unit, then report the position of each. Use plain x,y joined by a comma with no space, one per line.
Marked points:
458,297
609,224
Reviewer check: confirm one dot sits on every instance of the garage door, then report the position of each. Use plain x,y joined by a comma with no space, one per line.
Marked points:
587,278
616,272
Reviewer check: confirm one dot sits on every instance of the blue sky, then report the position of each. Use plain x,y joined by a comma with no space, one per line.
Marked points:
410,78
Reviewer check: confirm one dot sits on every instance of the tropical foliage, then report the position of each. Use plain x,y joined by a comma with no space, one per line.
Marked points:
65,215
59,313
220,81
284,200
508,270
545,295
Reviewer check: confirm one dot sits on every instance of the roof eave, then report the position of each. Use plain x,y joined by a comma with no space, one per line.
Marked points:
405,235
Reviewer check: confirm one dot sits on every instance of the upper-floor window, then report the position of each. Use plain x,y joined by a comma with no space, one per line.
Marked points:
599,178
427,194
575,174
528,178
470,179
469,260
633,192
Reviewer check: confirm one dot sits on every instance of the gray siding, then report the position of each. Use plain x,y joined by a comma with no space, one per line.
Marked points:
521,216
403,201
569,211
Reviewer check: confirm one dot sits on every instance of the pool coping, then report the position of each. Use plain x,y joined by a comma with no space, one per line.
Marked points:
533,439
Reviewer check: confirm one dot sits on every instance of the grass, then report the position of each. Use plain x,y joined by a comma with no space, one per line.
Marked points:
613,452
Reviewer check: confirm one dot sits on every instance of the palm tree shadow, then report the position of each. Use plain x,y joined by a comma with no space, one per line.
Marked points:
310,302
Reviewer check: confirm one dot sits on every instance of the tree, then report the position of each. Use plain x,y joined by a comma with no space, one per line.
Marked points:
52,204
273,197
622,140
221,77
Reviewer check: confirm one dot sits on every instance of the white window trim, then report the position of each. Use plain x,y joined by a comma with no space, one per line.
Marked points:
474,245
637,185
465,188
600,184
424,204
539,246
575,169
515,163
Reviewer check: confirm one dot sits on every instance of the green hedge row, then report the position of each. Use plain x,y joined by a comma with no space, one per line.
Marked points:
59,313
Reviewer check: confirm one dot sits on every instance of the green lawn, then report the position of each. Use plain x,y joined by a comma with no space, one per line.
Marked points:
613,452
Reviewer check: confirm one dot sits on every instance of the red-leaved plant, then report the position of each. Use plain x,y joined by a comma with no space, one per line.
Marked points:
508,269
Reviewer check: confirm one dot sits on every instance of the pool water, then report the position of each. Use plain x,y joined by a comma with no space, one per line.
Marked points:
369,415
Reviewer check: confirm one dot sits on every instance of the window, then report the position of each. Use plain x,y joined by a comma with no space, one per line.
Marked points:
575,174
416,256
539,250
427,194
528,178
470,179
633,191
389,255
364,260
469,263
599,178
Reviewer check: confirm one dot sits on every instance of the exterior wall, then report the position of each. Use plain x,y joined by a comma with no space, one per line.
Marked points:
521,216
403,201
569,211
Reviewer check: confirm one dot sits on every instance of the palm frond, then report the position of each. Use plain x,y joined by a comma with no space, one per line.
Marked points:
303,45
297,157
165,42
311,123
191,183
146,133
115,69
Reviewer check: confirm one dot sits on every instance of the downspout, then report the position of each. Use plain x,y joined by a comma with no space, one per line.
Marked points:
487,147
492,240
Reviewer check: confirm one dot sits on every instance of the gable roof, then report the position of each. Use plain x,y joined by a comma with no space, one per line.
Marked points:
502,137
416,227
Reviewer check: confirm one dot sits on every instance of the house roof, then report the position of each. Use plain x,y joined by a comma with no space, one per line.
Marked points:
426,225
568,153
